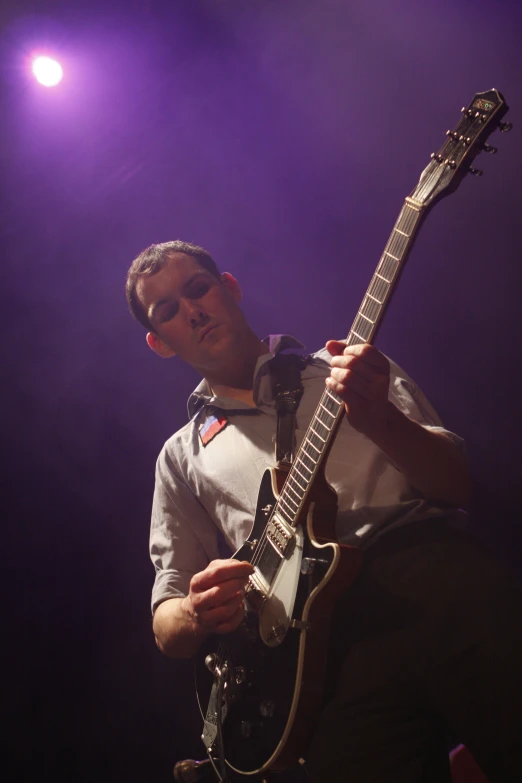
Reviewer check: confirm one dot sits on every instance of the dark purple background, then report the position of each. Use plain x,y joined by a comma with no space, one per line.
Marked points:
282,136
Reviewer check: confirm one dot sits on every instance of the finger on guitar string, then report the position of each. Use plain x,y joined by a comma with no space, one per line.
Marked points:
218,595
219,571
216,618
362,355
370,387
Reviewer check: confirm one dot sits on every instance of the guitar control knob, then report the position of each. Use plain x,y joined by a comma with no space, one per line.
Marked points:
210,662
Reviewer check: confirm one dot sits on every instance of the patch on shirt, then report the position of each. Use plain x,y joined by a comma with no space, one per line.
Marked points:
211,426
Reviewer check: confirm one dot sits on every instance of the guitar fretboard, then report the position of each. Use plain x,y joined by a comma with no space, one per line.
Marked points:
329,412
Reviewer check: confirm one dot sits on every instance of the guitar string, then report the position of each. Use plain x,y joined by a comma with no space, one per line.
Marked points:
264,542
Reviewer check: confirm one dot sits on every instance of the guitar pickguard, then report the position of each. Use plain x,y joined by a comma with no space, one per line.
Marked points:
276,612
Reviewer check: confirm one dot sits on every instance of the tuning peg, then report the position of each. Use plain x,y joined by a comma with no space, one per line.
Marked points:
437,156
490,149
505,126
476,172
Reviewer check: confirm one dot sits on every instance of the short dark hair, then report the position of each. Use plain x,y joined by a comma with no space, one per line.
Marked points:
150,261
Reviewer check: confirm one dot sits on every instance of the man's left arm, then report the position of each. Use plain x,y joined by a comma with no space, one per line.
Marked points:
428,458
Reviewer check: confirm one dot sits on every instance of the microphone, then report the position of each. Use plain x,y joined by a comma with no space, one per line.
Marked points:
189,771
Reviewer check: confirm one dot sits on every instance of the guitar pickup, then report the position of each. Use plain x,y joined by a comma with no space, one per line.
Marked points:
280,535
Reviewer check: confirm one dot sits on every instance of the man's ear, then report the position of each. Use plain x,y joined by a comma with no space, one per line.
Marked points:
158,346
233,286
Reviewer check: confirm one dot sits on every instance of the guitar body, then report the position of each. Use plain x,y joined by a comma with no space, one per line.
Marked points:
273,688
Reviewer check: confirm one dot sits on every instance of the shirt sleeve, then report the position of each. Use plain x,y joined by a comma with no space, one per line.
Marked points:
183,538
407,396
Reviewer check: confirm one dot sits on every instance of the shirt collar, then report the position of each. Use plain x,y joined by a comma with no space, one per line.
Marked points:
202,394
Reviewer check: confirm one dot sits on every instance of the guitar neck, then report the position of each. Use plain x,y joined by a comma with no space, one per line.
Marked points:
440,177
329,412
378,295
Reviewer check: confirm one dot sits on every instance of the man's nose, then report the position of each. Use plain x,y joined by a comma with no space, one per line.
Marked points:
196,314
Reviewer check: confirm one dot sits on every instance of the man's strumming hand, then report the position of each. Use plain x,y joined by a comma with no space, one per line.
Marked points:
215,599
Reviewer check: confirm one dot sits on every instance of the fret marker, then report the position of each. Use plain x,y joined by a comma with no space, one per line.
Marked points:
282,502
308,456
326,409
314,447
317,434
295,481
337,401
289,489
359,336
299,472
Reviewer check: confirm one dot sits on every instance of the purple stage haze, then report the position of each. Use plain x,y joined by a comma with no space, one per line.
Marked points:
283,137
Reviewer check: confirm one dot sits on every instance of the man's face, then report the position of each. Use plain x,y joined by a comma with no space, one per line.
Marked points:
195,315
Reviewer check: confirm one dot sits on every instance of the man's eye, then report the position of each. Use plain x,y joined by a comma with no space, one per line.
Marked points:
200,291
169,313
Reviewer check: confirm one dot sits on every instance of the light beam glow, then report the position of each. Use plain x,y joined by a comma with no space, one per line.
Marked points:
47,71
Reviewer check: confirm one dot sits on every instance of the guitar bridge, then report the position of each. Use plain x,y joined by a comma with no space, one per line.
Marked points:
256,591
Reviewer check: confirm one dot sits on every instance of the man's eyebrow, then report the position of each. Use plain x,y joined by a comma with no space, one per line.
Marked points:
156,306
193,277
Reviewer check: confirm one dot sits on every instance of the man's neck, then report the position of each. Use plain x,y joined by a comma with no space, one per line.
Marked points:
237,380
243,395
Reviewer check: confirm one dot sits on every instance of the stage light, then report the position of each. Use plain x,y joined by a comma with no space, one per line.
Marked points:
47,71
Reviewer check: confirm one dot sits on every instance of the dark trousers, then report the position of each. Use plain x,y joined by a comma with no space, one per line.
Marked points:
426,648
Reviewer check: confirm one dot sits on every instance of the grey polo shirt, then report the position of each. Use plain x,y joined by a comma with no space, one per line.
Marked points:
205,495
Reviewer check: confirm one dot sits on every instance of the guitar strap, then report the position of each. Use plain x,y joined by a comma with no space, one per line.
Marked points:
288,390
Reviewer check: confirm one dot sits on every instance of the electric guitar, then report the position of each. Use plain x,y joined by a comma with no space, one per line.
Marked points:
260,688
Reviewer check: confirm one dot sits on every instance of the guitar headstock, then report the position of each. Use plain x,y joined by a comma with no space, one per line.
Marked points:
452,162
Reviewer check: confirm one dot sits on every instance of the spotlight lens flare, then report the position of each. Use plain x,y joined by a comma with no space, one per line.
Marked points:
47,71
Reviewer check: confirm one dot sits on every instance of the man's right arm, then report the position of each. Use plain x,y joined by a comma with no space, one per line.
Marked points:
214,605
